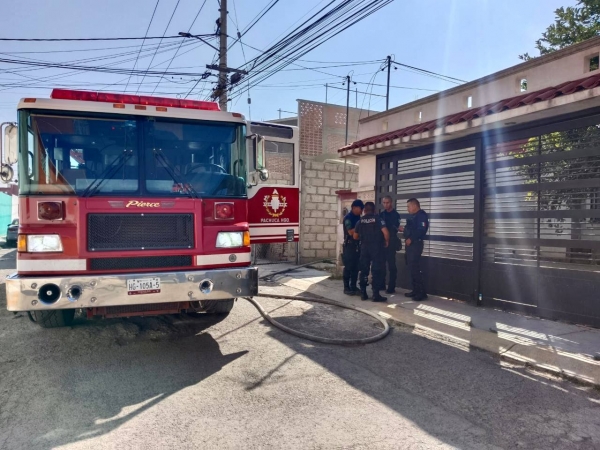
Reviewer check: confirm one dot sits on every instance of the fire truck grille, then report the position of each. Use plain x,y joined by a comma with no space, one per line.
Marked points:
146,262
108,232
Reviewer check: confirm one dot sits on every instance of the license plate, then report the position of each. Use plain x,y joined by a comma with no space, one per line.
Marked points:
138,286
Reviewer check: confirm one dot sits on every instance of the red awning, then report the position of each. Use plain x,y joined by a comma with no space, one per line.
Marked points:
525,99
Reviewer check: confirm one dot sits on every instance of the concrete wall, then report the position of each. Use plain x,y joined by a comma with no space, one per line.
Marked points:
556,68
319,211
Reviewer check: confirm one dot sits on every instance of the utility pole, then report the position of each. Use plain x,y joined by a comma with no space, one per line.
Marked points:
347,121
279,112
223,57
347,105
326,86
387,94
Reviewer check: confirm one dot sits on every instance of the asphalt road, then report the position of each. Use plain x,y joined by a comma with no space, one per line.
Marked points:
196,382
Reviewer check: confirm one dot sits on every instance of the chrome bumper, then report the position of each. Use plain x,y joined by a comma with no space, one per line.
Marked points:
22,293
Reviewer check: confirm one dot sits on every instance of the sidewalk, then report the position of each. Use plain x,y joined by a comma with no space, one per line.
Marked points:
566,350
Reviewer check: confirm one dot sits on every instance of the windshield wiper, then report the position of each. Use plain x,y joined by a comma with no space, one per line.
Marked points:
108,173
186,187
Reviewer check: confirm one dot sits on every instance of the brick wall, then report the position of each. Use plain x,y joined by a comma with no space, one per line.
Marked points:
323,127
280,166
319,211
311,128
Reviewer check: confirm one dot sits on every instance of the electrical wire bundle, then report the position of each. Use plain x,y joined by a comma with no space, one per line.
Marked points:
335,17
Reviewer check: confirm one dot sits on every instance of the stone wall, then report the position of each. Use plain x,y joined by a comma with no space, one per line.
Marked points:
319,210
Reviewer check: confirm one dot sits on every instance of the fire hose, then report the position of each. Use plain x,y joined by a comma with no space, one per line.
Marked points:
322,340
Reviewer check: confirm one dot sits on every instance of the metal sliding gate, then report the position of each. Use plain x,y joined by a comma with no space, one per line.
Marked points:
443,179
514,217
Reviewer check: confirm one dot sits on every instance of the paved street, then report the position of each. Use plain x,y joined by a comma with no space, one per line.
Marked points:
193,382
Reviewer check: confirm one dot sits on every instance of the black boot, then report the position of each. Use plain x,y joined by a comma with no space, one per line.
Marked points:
410,294
363,293
353,287
347,289
377,297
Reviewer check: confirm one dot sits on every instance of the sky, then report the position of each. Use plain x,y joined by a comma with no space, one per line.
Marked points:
464,39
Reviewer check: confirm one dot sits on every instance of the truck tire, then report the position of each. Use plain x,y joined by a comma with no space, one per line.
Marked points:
54,319
221,307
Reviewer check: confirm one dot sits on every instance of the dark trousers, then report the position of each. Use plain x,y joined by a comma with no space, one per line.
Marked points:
390,260
350,258
372,260
413,261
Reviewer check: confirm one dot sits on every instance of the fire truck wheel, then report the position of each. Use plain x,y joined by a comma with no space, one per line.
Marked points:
218,306
54,319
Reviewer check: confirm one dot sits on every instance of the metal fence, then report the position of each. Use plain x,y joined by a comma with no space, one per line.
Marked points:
514,216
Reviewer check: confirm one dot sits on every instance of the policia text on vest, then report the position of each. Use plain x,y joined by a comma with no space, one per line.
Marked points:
374,238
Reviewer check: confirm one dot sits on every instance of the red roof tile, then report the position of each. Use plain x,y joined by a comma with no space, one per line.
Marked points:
464,116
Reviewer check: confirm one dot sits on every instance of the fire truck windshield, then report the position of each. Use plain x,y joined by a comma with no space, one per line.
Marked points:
99,155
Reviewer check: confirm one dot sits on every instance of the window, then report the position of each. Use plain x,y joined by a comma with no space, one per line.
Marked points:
92,154
522,85
279,162
183,157
594,63
78,155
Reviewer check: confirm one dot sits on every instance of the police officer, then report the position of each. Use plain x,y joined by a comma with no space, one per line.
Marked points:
351,250
392,222
374,238
414,232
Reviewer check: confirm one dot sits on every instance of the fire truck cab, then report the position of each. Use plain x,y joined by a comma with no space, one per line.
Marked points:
133,205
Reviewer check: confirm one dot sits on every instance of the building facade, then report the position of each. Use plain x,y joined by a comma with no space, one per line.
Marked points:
508,168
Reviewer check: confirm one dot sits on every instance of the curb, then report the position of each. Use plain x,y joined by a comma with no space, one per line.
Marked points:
508,356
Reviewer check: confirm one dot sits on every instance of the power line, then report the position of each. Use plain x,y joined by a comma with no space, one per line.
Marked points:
93,39
318,29
55,77
254,21
76,50
178,48
103,69
143,42
436,75
165,32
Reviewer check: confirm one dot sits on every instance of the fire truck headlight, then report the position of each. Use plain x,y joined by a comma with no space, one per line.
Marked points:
230,239
38,243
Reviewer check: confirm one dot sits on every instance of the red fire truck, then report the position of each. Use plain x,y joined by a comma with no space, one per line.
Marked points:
133,205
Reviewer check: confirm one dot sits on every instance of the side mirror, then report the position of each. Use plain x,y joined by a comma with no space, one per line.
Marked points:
259,152
11,151
258,147
263,174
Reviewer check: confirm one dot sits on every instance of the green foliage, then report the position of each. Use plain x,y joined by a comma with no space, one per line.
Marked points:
572,25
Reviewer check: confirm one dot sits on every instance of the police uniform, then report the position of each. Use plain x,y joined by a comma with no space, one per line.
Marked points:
392,222
350,254
372,257
415,230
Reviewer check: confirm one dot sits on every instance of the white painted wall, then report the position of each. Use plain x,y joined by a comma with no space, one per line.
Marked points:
551,70
366,172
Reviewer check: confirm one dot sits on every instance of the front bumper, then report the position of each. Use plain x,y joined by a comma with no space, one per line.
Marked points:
22,293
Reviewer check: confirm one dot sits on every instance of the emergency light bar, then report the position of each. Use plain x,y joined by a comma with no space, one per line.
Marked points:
88,96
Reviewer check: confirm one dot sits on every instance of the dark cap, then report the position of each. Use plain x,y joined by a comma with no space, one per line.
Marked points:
358,203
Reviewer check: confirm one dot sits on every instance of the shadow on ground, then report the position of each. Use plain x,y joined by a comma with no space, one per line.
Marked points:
464,398
89,379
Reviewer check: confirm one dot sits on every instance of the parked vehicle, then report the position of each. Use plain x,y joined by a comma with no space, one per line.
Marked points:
11,233
132,205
